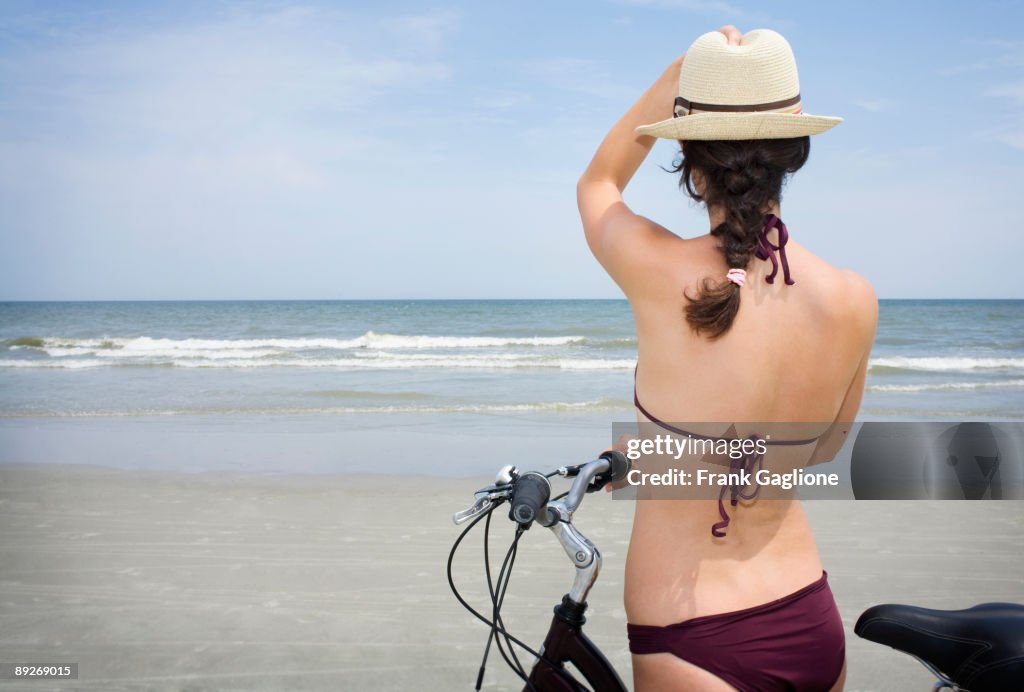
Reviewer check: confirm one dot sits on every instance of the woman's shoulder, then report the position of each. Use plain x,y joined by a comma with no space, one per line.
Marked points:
853,288
861,302
842,293
654,259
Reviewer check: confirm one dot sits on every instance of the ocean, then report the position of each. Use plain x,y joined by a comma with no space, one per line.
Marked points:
411,386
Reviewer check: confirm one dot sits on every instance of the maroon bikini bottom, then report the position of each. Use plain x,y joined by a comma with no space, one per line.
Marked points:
794,643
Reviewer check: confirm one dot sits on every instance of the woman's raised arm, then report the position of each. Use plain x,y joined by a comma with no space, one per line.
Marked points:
607,221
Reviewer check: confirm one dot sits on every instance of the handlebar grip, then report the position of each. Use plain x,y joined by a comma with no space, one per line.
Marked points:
619,466
529,498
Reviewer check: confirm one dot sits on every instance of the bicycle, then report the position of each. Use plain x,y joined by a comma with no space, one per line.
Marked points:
980,649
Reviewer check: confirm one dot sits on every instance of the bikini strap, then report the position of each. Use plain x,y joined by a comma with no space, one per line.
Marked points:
766,249
660,423
648,414
740,466
736,466
651,417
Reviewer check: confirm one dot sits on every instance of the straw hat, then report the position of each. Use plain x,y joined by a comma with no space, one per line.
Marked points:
749,91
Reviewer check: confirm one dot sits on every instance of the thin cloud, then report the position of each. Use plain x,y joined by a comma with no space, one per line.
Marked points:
728,11
1009,133
429,32
963,68
712,6
495,100
875,158
989,54
580,75
227,85
1014,139
876,105
1009,130
1013,91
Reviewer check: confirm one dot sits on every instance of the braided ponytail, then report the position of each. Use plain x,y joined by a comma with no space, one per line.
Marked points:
743,178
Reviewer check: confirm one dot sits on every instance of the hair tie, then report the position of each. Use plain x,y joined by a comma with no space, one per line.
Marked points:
737,276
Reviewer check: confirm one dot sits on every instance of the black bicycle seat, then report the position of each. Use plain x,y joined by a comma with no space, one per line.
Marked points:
980,649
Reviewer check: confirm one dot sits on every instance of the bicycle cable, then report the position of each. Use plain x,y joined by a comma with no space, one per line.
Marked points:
504,575
497,625
462,601
510,558
497,598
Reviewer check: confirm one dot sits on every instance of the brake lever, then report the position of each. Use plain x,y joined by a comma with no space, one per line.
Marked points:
484,500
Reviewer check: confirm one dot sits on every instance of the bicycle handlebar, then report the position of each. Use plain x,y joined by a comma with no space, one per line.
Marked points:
530,492
529,496
610,467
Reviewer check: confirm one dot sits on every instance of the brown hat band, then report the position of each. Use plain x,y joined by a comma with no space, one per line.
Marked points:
685,107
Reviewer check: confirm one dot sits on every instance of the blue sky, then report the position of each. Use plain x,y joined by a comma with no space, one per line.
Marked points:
404,150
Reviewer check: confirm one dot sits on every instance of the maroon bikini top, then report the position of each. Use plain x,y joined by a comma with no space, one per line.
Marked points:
749,463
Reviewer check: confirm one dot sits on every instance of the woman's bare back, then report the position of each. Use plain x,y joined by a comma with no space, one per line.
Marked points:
793,354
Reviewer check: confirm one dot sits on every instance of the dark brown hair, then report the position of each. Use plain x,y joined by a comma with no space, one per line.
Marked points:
742,177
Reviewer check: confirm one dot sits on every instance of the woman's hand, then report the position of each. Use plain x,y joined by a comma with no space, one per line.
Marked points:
732,34
732,38
621,445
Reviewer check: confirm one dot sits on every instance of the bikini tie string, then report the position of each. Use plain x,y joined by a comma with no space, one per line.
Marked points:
766,249
744,464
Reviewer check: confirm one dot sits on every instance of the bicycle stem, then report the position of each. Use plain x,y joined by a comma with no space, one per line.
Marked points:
584,555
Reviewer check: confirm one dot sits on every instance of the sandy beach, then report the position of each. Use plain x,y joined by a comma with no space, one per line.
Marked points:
223,581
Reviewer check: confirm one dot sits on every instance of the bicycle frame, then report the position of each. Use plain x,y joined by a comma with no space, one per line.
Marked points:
566,643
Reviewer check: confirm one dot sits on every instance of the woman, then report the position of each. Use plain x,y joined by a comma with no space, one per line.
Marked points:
746,604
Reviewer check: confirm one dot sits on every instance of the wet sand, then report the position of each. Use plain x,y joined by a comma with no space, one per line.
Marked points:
218,581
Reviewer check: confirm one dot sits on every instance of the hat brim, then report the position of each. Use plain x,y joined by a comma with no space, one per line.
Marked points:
740,126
